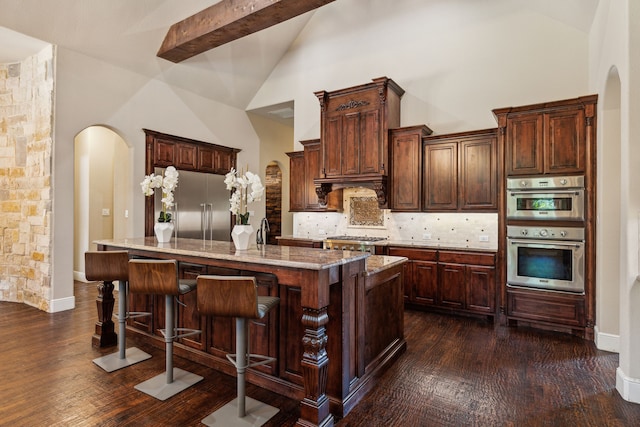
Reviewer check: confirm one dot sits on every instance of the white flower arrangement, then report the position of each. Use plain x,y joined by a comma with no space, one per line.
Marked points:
168,183
247,188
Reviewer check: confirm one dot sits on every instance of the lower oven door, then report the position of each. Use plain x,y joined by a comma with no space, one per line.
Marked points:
552,265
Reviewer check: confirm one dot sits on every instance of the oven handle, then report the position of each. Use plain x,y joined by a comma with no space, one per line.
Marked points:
543,192
544,242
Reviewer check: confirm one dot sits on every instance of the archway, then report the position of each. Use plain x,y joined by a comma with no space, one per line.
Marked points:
101,190
608,281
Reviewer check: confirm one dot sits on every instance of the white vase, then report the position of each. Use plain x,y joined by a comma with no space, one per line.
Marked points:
242,236
163,231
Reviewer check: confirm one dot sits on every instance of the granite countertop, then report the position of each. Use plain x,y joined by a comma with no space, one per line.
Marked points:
281,256
377,263
425,244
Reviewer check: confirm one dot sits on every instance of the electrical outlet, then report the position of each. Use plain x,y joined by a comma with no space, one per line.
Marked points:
105,212
126,213
426,236
322,232
483,238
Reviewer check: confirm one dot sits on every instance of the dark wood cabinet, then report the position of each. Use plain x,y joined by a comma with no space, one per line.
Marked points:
297,181
456,281
354,126
164,150
304,167
460,172
441,176
549,138
556,310
406,167
468,281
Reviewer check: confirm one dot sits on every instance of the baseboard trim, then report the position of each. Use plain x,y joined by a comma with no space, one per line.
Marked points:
607,342
629,388
62,304
80,277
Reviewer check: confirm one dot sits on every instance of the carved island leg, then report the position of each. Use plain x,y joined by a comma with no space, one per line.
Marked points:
314,408
105,335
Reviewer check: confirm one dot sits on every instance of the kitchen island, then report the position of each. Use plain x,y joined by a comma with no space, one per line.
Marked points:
335,330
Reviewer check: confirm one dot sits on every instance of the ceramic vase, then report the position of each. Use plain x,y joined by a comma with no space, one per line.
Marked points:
163,231
242,236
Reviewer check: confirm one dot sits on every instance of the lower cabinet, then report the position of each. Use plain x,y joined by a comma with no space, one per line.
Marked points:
461,281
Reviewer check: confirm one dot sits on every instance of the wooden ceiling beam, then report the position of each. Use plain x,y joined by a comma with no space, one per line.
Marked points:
226,21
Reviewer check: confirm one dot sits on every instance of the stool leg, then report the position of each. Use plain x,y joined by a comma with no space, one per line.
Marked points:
122,318
241,363
168,336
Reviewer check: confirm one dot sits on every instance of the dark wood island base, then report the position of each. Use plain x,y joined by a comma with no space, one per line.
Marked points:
338,328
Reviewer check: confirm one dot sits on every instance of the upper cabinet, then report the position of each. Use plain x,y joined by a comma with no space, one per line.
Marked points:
354,126
187,154
406,167
304,166
549,138
460,172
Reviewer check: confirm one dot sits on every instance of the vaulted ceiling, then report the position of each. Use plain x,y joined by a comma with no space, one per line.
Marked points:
129,33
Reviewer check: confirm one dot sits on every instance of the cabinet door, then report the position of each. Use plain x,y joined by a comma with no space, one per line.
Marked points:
297,181
186,157
206,159
524,144
370,142
481,294
351,144
479,174
333,147
311,171
565,144
163,153
425,275
406,164
452,285
441,176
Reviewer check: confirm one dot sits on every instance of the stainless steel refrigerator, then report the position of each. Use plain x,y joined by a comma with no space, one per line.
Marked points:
202,206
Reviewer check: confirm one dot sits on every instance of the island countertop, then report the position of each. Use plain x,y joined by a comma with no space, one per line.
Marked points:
281,256
338,326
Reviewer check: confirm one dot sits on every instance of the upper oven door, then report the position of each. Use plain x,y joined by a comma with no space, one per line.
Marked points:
544,264
550,205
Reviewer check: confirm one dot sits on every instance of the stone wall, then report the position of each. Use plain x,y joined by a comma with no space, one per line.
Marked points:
26,130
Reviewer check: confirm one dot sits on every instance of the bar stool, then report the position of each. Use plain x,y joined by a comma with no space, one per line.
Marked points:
160,277
233,296
107,266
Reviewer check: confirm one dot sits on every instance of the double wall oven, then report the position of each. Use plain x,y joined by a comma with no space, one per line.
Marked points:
545,233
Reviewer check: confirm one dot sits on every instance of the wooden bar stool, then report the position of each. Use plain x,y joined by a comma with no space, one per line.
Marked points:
160,277
107,266
233,296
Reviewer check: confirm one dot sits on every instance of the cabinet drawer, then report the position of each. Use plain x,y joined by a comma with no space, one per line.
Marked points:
467,258
415,254
546,306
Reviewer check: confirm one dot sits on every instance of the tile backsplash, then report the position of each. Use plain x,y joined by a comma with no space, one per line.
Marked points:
476,230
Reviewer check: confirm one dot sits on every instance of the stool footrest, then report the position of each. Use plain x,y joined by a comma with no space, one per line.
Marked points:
180,333
133,315
254,360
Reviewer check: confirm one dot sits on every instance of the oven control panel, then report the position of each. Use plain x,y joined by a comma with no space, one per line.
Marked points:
547,233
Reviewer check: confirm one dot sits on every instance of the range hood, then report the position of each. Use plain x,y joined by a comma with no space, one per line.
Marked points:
354,137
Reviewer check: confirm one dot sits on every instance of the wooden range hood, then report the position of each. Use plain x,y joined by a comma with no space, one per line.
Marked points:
354,137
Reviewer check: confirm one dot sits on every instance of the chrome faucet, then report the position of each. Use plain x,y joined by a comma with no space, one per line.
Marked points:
263,232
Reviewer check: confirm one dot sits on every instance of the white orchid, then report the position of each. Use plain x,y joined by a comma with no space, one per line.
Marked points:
168,184
247,188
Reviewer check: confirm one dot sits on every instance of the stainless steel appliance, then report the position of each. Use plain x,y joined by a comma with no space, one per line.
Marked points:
546,198
351,243
549,258
202,206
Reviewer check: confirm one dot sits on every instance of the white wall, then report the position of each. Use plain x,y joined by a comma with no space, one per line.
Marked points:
457,60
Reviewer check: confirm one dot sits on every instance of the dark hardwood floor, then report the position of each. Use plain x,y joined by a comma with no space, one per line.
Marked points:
456,372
